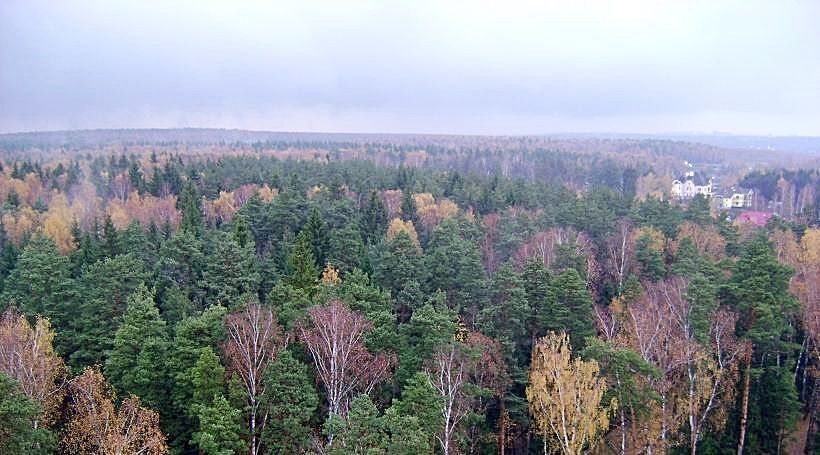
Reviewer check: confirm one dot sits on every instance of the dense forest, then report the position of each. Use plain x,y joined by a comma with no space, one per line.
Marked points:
281,296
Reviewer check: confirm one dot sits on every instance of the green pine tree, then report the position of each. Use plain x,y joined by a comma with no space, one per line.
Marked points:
506,319
208,378
290,401
219,431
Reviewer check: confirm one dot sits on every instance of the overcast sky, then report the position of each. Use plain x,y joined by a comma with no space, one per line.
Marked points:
487,67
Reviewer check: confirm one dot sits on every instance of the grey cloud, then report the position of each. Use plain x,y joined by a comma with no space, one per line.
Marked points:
477,67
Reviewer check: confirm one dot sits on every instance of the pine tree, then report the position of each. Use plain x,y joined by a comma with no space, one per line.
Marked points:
207,377
430,326
241,231
180,264
759,290
397,261
219,431
649,258
453,263
408,208
536,277
414,419
291,303
362,431
8,256
290,401
192,336
134,240
346,249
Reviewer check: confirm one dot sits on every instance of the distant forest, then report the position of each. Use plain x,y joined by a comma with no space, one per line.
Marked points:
232,292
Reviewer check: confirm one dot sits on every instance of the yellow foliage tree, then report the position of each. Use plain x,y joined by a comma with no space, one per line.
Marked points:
397,226
267,194
27,356
330,275
432,212
565,397
57,223
19,225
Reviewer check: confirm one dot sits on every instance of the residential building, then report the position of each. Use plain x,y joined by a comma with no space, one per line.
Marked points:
691,184
738,198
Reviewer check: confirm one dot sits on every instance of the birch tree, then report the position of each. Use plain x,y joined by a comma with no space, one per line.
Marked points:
565,397
254,340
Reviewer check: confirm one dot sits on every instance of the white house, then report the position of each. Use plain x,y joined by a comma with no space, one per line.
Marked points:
691,184
738,198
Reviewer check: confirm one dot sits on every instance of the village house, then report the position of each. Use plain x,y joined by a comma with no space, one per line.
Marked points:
691,184
738,198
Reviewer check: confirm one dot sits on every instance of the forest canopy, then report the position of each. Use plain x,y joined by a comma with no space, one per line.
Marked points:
345,296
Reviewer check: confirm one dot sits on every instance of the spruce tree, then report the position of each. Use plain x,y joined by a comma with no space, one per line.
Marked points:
40,282
302,263
137,362
17,411
317,233
506,318
104,289
569,308
231,276
190,204
374,219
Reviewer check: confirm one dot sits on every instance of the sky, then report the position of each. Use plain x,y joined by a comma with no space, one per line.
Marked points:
417,66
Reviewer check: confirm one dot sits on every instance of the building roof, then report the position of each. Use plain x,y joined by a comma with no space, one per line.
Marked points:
698,179
756,218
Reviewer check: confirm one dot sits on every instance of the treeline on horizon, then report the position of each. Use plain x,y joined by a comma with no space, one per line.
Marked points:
225,301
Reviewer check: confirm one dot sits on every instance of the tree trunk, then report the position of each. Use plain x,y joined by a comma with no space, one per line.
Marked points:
744,412
502,443
814,424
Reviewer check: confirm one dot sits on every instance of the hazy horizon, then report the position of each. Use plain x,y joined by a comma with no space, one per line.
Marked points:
525,68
